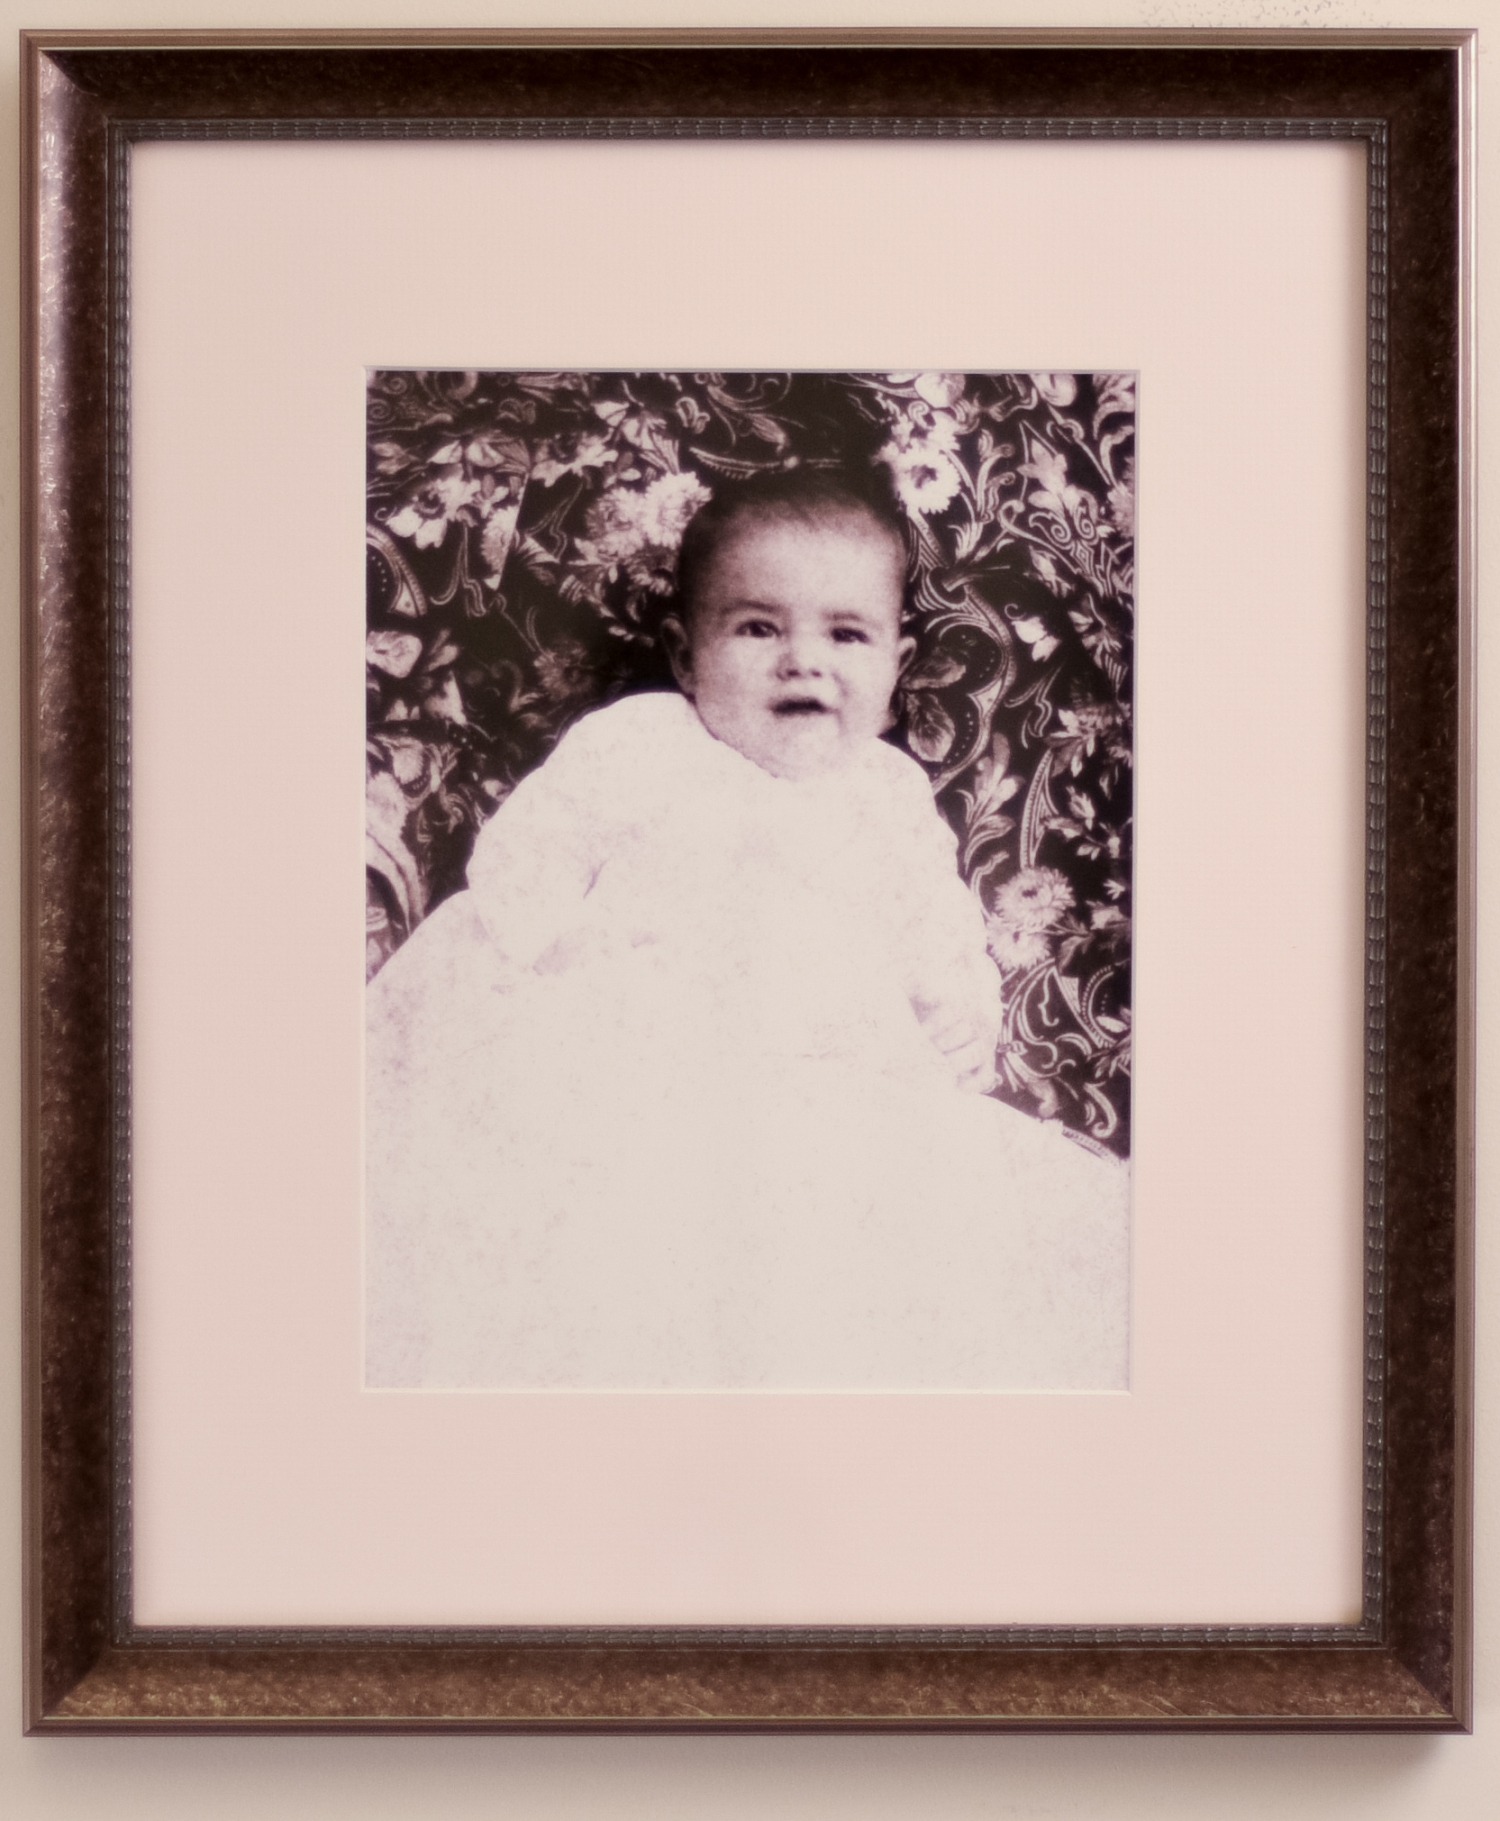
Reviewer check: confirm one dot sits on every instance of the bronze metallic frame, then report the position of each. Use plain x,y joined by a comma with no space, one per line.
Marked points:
88,98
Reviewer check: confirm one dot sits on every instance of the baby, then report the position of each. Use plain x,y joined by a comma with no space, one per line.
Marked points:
668,1096
789,648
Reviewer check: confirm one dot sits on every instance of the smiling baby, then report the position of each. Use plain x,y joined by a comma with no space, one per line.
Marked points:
681,1092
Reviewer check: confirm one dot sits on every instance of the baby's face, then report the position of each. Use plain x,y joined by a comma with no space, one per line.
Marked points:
795,642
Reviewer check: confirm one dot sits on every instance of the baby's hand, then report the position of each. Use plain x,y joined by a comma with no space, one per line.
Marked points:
965,1041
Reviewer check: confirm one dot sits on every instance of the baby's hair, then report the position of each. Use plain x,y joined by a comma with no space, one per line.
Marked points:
803,493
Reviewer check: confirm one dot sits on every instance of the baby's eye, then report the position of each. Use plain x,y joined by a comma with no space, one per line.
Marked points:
850,635
755,629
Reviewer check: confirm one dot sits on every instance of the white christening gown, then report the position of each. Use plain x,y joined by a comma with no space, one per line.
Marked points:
648,1106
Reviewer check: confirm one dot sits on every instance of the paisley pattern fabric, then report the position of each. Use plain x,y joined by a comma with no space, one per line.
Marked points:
522,536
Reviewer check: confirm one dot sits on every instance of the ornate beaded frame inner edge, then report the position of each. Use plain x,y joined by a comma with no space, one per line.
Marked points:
1369,1632
1373,133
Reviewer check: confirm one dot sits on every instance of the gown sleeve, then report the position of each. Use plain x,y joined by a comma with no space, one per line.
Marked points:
949,971
533,865
538,856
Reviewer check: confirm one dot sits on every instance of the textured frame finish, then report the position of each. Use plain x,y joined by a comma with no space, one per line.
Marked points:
88,98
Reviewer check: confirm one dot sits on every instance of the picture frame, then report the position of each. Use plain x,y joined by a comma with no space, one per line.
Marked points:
1404,96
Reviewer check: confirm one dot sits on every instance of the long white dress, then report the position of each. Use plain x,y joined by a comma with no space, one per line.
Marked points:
649,1107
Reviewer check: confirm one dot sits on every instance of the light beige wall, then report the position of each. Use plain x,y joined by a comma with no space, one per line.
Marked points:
1166,1779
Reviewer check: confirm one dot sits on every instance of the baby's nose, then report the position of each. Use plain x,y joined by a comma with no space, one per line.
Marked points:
801,657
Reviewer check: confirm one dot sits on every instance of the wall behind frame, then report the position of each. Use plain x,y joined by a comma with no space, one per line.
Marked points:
1103,1779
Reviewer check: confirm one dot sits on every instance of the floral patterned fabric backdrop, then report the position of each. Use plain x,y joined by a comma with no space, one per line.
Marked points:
522,536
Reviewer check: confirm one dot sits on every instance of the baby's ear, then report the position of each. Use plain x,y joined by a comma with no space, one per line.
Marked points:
674,637
905,651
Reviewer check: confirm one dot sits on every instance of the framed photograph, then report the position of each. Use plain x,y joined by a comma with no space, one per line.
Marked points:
840,1097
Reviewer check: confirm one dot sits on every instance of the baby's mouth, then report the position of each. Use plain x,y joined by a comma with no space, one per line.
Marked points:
801,705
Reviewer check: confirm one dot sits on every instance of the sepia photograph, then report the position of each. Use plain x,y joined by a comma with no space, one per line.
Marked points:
749,821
